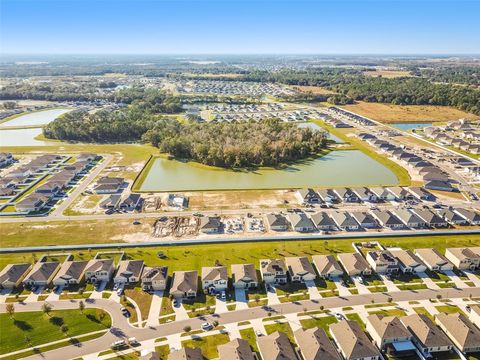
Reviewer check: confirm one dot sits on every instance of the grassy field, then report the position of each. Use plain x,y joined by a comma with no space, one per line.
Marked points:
41,328
388,113
390,74
194,257
70,233
322,322
142,299
399,171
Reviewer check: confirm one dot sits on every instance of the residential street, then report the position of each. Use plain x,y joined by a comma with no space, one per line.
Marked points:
122,329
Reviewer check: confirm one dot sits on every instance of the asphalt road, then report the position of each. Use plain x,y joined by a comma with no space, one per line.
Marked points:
121,329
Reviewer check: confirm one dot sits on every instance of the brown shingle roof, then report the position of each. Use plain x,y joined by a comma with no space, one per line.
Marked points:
315,345
276,346
352,340
237,349
425,331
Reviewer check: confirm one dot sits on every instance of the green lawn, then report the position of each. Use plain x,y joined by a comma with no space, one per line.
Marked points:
249,335
191,257
281,327
200,301
449,309
207,344
41,328
322,322
377,289
412,286
422,311
402,278
390,312
356,317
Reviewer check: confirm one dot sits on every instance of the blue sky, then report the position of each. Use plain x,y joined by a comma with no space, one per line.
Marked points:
232,26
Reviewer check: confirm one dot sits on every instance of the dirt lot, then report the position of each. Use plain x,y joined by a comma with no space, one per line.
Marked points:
240,199
407,113
313,89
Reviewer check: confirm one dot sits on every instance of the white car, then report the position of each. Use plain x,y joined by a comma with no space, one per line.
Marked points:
206,326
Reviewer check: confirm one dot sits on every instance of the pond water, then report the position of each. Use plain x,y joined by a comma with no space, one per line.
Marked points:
314,126
26,137
338,168
35,118
411,126
22,137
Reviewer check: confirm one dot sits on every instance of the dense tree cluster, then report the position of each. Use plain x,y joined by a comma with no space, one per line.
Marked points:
469,75
232,145
352,84
237,145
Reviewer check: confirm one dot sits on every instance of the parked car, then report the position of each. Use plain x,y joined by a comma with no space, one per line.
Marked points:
125,312
206,326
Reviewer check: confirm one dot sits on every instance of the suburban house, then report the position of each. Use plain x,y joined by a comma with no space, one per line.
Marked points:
387,219
383,262
354,264
441,185
463,258
6,159
129,272
323,222
210,225
276,346
327,195
186,354
314,344
352,341
42,274
98,270
434,260
400,193
421,194
327,266
244,276
13,274
301,222
111,202
277,222
346,195
471,216
390,335
426,335
32,202
460,330
408,262
131,202
70,273
307,196
109,185
344,221
364,194
382,194
155,278
452,217
214,279
365,220
300,269
430,218
410,219
236,349
184,284
273,271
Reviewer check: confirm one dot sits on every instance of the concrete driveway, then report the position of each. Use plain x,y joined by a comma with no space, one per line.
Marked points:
97,294
362,289
155,308
180,312
33,296
342,290
241,299
272,296
312,290
456,279
220,306
390,285
427,281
